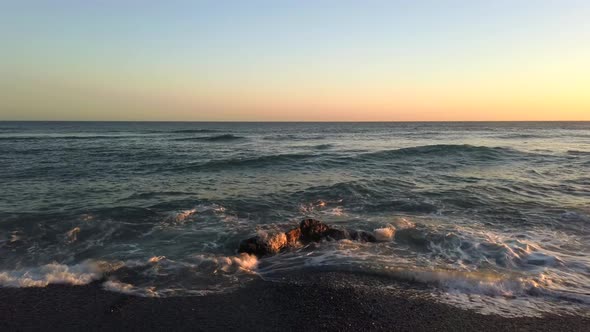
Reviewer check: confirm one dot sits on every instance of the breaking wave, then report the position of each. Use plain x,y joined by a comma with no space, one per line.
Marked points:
54,273
457,262
154,277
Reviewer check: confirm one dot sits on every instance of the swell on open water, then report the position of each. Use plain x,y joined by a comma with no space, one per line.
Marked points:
489,216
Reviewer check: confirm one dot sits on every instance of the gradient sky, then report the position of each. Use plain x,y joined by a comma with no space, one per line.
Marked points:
295,60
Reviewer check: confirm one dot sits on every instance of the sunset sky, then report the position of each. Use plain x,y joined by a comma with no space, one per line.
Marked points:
295,60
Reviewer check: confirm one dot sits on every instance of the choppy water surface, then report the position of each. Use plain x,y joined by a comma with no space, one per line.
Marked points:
491,216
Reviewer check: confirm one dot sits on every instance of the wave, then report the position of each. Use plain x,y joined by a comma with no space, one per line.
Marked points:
521,136
179,131
281,138
445,150
55,273
217,138
578,153
292,137
188,131
323,147
124,212
262,161
475,248
460,284
155,194
40,138
204,273
429,151
456,261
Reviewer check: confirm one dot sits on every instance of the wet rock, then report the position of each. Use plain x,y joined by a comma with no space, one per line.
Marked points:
336,234
293,236
254,245
276,242
264,245
313,230
310,230
412,236
362,236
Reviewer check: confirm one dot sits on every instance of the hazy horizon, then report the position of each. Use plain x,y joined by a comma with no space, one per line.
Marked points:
336,121
266,61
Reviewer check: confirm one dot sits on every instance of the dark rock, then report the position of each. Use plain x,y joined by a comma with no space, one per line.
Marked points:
310,230
336,234
264,245
254,245
412,236
362,236
313,230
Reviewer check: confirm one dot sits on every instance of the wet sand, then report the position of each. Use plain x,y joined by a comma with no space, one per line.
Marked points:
319,303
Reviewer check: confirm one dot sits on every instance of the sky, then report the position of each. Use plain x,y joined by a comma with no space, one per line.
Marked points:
436,60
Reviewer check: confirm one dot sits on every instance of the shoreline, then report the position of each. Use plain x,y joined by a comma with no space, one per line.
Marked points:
323,301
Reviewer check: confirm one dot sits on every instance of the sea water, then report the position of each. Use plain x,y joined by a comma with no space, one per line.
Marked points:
489,216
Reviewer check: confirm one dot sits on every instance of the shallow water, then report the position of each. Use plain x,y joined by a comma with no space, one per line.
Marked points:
486,215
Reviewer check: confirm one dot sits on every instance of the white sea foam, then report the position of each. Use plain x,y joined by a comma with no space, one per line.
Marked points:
403,223
385,233
125,288
117,286
87,217
489,283
72,235
54,273
156,259
336,212
322,207
182,216
242,262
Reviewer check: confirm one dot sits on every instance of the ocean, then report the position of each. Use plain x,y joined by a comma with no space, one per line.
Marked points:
490,216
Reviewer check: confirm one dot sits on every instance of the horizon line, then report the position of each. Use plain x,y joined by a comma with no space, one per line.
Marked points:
295,121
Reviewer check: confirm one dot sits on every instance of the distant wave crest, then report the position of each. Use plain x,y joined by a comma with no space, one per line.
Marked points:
66,137
446,150
261,161
216,138
188,131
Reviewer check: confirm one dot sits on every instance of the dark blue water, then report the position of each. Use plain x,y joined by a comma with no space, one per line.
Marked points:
496,215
